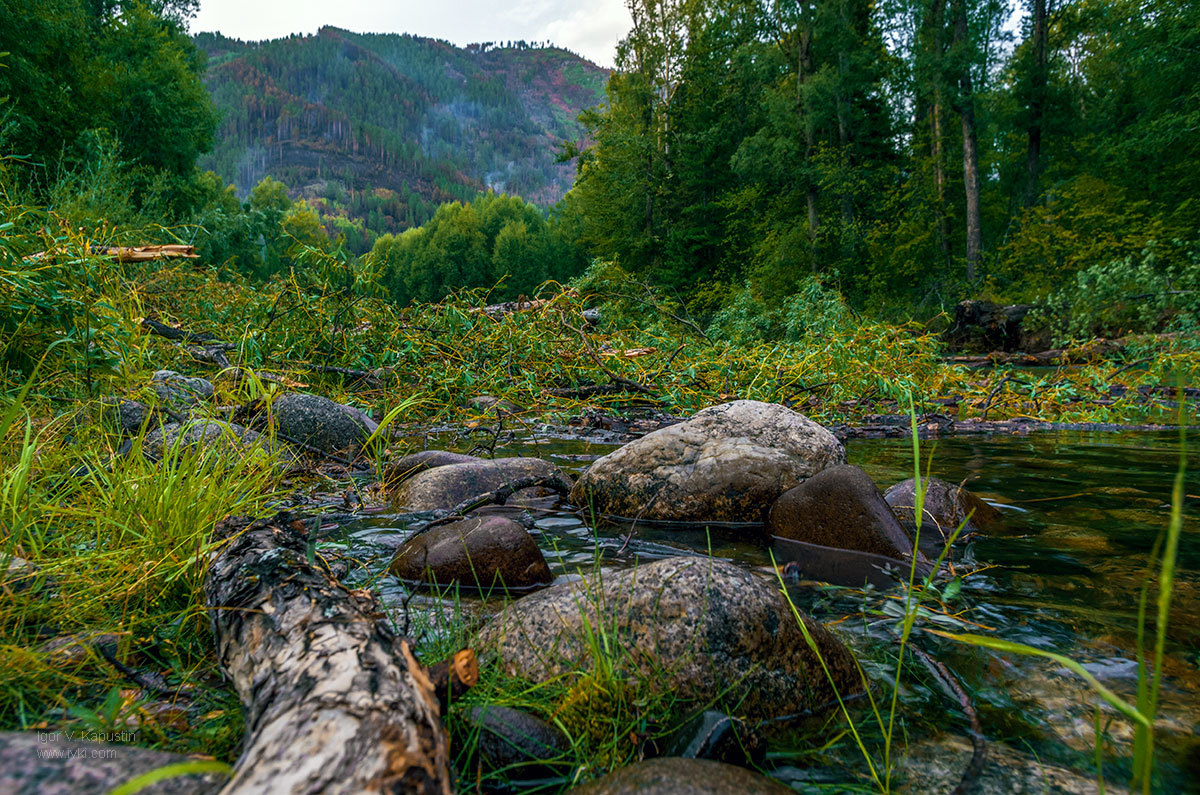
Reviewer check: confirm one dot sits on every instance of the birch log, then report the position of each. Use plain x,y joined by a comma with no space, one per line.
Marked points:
334,700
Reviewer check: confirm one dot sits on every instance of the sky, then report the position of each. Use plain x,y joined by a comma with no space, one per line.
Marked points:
591,28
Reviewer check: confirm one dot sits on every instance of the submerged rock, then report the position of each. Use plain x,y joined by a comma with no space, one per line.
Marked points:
946,506
319,422
840,507
510,738
180,392
672,776
702,627
727,463
480,552
936,766
447,486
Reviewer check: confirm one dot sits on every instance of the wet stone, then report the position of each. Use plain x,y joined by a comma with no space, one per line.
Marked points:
717,736
947,505
319,422
482,552
523,745
449,485
672,776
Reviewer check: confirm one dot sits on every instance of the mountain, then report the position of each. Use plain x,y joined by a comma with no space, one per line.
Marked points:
386,127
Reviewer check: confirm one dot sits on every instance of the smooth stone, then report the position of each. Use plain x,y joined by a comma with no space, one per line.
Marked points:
486,402
228,436
947,505
717,736
481,552
840,507
936,766
319,422
672,776
728,463
405,467
510,738
180,392
701,627
449,485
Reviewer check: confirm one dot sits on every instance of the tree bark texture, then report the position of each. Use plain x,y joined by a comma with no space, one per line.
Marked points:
334,700
970,142
1037,102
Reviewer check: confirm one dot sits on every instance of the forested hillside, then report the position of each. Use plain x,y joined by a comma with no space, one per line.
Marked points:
387,127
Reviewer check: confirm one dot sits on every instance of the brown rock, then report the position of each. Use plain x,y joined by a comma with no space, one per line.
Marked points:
702,627
673,776
447,486
414,464
727,463
946,506
840,507
480,552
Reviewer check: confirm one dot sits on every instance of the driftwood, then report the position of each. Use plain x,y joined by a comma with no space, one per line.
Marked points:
147,253
334,700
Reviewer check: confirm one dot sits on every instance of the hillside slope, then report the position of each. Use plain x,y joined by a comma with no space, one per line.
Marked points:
386,127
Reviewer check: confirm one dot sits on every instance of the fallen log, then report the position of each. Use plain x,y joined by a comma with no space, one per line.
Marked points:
147,253
334,700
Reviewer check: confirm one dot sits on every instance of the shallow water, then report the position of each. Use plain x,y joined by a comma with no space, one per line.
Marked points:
1082,514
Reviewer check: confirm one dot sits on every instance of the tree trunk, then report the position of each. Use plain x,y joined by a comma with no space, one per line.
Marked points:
334,700
803,65
1037,102
935,26
970,142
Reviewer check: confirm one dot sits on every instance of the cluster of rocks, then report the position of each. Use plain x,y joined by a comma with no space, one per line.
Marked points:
178,412
699,627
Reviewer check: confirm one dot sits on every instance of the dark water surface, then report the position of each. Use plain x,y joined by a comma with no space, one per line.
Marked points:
1082,514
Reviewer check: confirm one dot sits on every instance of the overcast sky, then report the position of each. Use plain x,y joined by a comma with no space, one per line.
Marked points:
588,27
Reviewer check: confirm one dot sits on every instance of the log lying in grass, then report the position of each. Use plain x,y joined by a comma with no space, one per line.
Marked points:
334,700
148,253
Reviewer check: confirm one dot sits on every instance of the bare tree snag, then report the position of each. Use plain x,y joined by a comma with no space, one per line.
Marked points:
454,676
334,700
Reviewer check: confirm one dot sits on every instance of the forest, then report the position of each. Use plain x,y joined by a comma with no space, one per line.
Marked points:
805,405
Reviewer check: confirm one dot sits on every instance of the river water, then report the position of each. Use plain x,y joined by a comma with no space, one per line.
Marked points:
1064,573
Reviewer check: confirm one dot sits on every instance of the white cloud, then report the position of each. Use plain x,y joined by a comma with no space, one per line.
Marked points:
589,28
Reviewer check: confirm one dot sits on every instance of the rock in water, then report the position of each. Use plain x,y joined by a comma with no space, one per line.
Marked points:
946,506
480,552
510,738
702,627
447,486
321,423
405,467
180,392
728,463
671,776
840,507
717,736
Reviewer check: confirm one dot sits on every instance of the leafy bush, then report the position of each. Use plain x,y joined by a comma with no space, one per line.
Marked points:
813,309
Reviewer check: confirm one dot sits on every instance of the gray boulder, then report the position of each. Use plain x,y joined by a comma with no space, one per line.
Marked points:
229,437
946,506
124,415
319,422
672,776
180,392
728,463
479,552
447,486
704,628
839,507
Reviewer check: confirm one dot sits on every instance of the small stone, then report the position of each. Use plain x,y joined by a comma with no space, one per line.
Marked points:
407,466
449,485
510,738
180,392
482,552
672,776
489,402
126,416
717,736
228,437
946,506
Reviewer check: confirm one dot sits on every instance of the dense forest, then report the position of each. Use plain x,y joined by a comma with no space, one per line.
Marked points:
384,128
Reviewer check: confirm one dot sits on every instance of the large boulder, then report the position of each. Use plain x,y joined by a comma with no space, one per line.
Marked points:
319,422
704,628
946,506
839,507
728,463
447,486
673,776
479,552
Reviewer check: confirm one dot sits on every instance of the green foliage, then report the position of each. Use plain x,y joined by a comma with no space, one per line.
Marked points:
496,240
